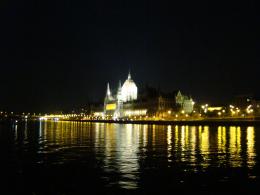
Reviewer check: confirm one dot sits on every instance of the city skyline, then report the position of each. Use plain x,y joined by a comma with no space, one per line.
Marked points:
129,97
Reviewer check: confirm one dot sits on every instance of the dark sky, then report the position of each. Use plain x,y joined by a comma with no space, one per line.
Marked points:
56,55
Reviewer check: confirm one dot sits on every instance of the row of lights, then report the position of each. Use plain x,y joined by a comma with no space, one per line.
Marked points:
233,110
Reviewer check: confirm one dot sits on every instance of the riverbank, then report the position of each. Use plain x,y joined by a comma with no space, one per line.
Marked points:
196,122
244,122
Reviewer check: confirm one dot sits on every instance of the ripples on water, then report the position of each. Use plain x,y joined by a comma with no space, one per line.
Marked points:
76,157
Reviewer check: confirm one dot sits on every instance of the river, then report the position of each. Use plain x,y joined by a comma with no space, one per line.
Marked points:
44,157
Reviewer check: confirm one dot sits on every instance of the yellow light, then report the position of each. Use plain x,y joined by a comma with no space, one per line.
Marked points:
135,112
110,106
251,146
214,108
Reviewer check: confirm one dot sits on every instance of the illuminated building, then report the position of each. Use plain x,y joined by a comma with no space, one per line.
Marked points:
126,102
186,103
113,105
129,90
110,103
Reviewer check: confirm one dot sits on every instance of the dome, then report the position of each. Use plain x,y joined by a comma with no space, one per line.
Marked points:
129,90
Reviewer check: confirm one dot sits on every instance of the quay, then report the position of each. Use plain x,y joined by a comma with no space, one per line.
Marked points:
223,122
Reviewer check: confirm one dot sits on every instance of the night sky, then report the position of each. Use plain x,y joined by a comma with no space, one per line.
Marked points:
57,55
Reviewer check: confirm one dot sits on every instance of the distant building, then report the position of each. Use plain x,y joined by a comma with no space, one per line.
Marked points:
126,102
113,104
186,103
128,90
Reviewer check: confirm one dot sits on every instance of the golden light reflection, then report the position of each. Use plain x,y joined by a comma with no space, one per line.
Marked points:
184,143
40,129
110,140
169,142
100,134
183,139
193,144
187,138
128,136
145,138
44,131
204,138
121,147
235,146
250,135
176,138
204,145
153,135
222,139
62,133
127,157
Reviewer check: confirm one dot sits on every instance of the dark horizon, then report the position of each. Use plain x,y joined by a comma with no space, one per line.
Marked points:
59,55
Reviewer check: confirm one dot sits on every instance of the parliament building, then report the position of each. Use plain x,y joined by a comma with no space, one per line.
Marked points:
127,101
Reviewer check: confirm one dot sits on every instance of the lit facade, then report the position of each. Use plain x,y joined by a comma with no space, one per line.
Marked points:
186,103
126,102
129,90
113,104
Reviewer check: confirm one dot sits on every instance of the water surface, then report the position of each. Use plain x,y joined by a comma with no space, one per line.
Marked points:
76,158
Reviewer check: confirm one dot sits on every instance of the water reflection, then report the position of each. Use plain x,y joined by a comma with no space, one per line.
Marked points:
235,146
222,140
169,143
120,144
204,145
127,150
193,145
251,146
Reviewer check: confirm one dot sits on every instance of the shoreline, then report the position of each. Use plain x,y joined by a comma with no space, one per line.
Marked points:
175,122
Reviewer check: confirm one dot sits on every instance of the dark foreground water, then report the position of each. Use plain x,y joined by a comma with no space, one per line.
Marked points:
91,158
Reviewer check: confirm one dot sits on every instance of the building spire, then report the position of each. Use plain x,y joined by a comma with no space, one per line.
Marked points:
119,85
129,75
108,90
119,92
